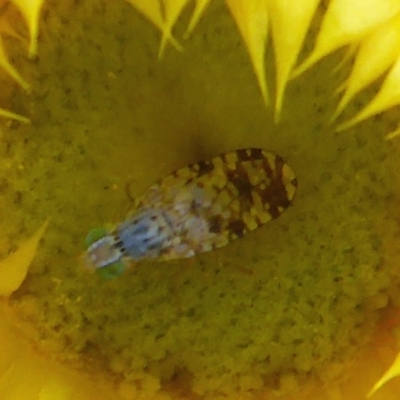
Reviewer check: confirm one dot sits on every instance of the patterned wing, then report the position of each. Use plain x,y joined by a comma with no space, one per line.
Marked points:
207,204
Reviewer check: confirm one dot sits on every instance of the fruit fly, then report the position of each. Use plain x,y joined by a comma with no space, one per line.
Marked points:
198,208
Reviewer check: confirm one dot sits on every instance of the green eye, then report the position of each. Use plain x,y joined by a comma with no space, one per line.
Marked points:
94,235
111,271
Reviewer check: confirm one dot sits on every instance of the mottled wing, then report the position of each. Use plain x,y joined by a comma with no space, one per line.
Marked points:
209,203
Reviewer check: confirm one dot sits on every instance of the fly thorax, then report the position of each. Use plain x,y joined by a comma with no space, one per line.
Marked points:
144,235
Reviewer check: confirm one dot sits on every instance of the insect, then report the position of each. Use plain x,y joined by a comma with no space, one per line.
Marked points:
198,208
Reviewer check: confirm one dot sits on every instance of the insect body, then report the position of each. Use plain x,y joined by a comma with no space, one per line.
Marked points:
198,208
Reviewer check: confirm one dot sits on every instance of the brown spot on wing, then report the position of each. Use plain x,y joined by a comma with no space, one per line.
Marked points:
215,223
237,227
202,167
275,194
243,154
240,180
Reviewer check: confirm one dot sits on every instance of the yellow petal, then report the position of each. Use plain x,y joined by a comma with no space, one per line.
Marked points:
251,17
173,9
9,68
14,268
347,58
378,51
393,134
197,13
11,115
55,390
392,372
151,9
388,96
348,21
290,21
30,9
